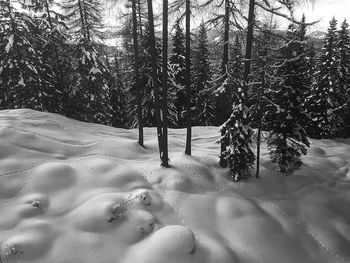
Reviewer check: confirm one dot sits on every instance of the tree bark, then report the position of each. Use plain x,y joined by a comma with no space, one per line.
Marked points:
249,43
188,78
223,161
137,74
165,159
155,76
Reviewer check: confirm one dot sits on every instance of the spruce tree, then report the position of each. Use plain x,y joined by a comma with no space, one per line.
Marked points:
238,137
288,139
237,133
325,99
203,110
178,68
344,49
24,76
91,94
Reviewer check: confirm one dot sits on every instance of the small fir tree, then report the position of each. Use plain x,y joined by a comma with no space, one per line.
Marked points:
238,137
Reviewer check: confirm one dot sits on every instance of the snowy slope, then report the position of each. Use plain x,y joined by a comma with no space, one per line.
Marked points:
75,192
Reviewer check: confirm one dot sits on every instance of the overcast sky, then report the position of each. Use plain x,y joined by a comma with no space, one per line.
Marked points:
325,10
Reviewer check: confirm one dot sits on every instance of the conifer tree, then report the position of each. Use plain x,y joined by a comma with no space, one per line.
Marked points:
238,137
23,74
344,49
288,139
178,68
91,95
325,98
203,112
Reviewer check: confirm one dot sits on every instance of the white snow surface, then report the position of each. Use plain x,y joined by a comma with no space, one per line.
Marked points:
72,192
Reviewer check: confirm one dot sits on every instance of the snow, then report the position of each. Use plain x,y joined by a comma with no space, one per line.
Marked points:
77,192
9,44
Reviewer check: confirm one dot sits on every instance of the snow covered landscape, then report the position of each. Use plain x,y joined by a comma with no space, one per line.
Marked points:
76,192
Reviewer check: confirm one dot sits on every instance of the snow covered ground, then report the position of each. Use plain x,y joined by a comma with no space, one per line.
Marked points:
84,193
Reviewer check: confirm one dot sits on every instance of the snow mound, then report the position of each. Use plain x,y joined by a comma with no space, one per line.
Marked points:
77,192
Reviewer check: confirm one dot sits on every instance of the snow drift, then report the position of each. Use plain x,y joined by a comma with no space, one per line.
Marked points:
83,193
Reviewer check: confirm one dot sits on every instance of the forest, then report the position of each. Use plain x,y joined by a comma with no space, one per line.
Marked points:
257,82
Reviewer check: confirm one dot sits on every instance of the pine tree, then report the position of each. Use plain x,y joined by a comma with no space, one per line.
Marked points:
23,74
325,98
343,46
178,68
91,95
203,111
56,52
238,137
288,139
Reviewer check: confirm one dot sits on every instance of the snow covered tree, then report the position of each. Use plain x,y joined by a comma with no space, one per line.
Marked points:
325,99
56,52
343,46
203,112
178,67
24,76
238,137
91,95
288,139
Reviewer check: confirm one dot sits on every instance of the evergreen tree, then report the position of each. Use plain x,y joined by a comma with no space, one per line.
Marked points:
178,67
24,76
91,95
203,111
325,99
56,52
238,137
288,139
343,46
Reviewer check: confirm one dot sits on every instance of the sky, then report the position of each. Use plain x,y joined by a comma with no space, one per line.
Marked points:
324,10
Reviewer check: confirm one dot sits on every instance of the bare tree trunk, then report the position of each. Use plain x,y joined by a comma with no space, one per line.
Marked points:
139,13
257,172
249,42
165,159
188,78
137,74
155,77
223,161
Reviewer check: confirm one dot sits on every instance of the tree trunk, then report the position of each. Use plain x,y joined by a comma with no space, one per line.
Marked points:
223,161
258,142
137,74
155,77
165,158
139,13
249,43
188,78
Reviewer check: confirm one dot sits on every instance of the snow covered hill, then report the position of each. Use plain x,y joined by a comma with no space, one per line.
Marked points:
72,192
